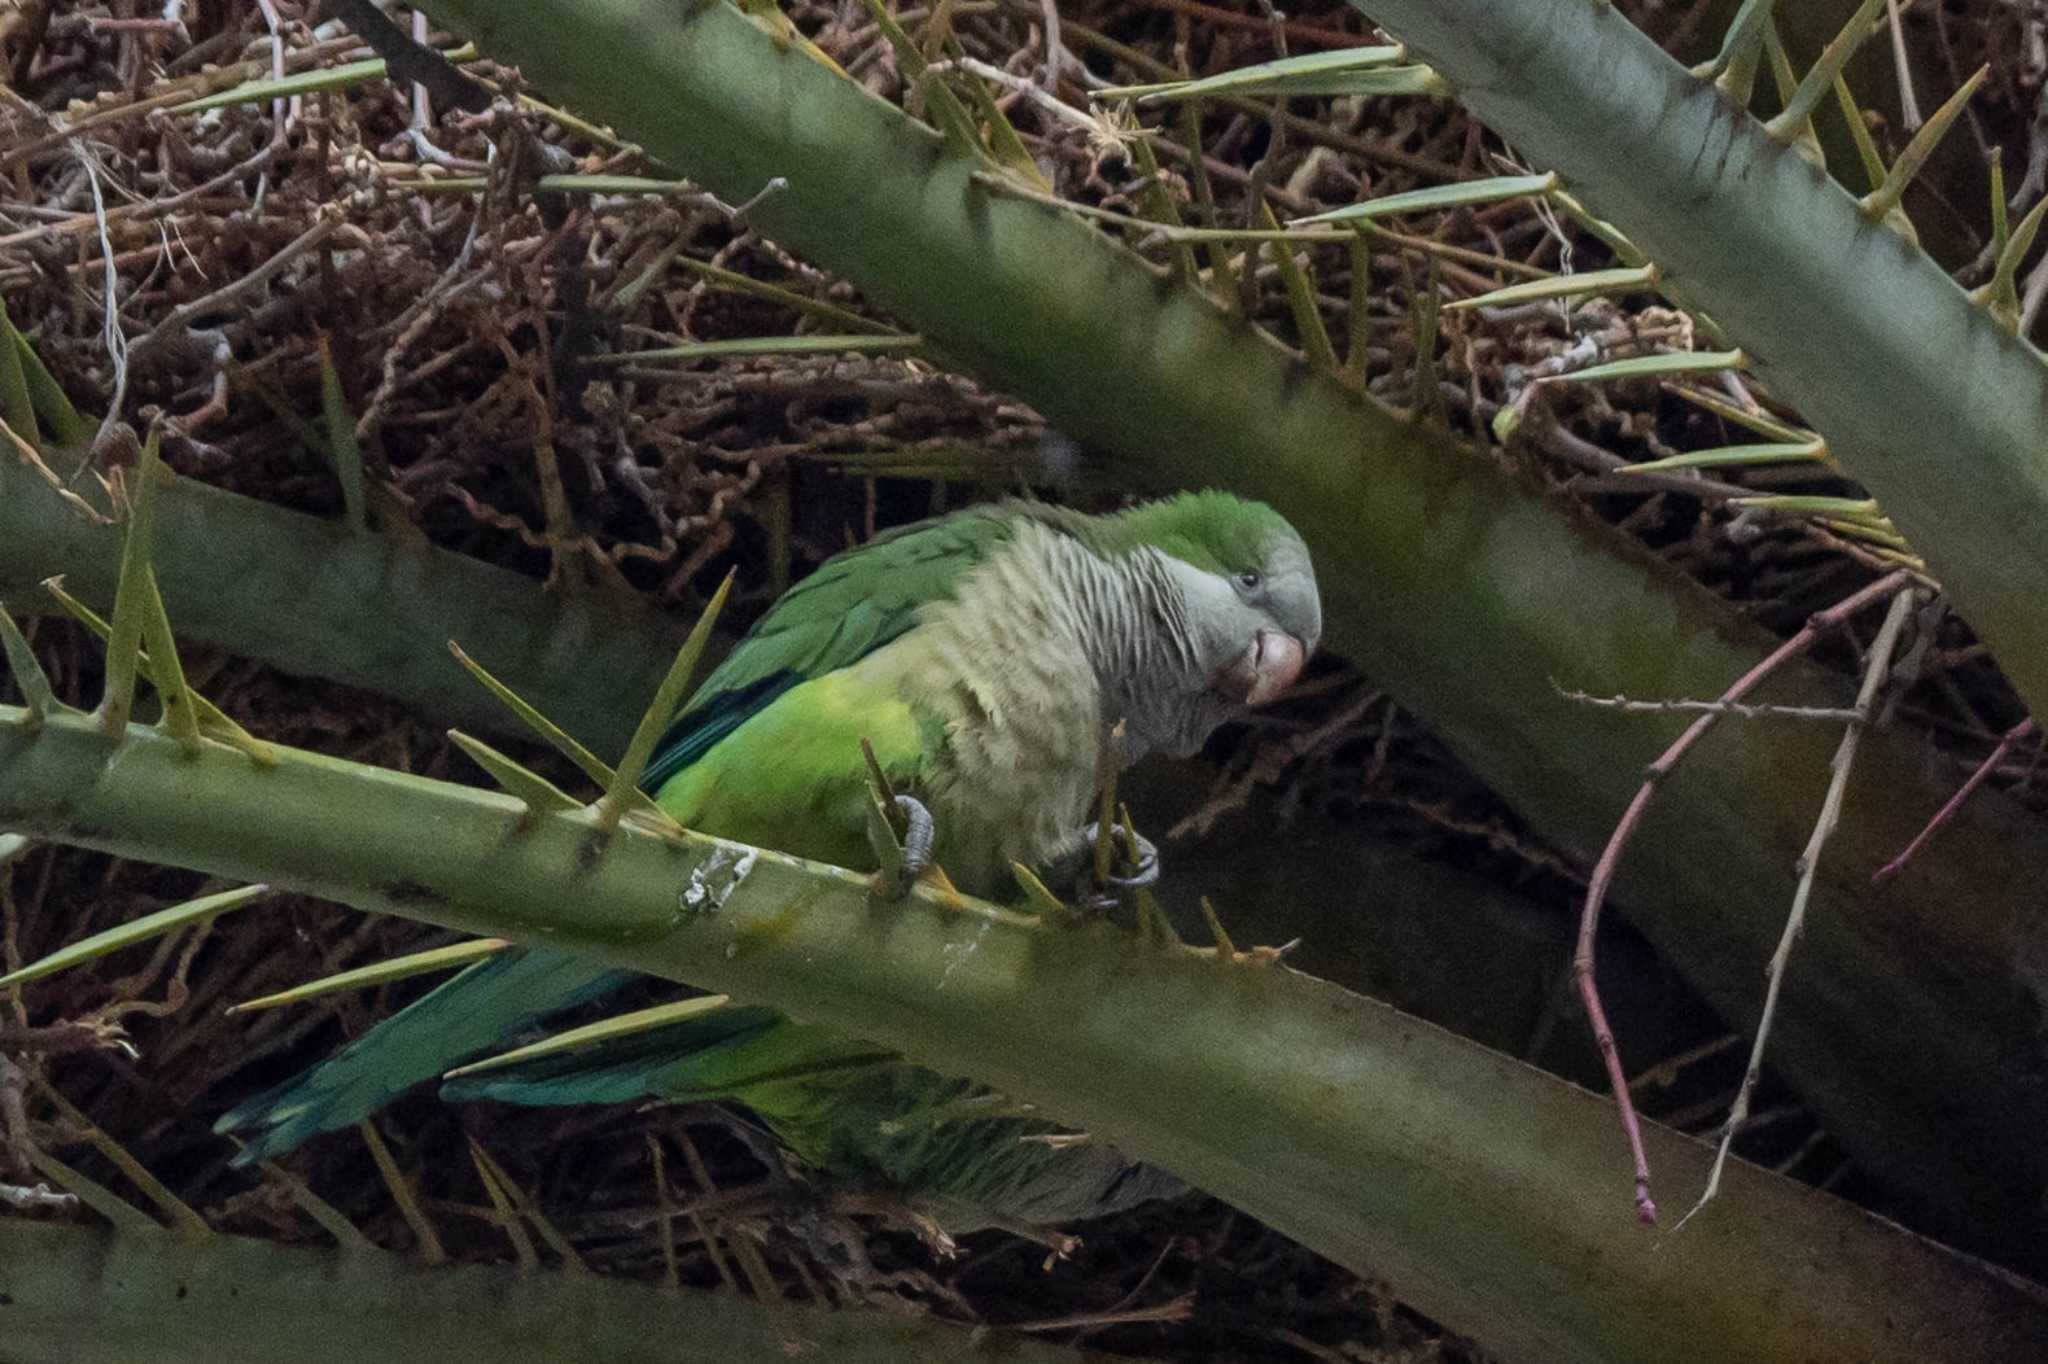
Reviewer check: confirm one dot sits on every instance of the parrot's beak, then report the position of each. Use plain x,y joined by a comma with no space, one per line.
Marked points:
1267,667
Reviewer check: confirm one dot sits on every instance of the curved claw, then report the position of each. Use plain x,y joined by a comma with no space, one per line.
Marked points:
917,842
1146,873
903,860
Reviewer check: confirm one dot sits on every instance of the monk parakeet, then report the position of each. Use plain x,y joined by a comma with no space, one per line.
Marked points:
988,656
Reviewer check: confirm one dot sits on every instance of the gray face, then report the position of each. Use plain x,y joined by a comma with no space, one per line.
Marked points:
1287,592
1248,636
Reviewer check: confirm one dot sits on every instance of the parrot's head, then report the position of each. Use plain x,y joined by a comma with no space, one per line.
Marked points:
1250,615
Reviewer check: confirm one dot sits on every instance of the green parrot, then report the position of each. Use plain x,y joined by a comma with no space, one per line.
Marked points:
988,656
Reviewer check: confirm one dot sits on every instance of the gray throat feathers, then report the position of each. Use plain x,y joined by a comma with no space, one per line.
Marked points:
1128,616
1043,648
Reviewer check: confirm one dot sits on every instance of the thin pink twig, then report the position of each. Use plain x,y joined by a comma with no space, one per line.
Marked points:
1610,858
1955,802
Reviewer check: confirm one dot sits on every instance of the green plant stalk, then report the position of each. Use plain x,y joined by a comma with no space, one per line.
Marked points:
310,596
1922,397
1477,1185
1466,593
83,1295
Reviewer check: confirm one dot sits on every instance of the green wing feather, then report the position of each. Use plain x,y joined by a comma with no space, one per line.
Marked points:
854,604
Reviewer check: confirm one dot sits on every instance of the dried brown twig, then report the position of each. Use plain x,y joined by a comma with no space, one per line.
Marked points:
2006,741
1610,858
1876,668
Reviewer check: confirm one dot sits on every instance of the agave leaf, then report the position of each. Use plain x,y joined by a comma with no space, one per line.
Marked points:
380,973
125,1216
342,77
1881,201
596,768
508,1213
132,594
138,930
541,795
28,672
1820,77
1251,79
1734,456
1585,284
184,1220
342,447
430,1248
1654,366
654,720
1454,195
604,1030
765,345
526,1207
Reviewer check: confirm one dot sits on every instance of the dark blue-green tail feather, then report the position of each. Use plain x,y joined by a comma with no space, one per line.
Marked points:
841,1105
478,1012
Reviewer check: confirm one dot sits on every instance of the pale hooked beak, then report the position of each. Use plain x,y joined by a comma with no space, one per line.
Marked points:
1267,667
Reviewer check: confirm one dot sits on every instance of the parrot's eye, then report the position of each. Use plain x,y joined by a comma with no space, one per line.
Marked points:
1249,580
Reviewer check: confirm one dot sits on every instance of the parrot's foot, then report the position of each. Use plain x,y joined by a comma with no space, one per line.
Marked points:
1106,892
916,855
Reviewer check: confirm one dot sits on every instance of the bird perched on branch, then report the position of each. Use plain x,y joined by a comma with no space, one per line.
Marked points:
988,656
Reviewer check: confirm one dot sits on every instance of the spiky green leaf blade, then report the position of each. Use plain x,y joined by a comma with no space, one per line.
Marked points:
213,721
1885,197
1004,145
1758,420
1583,285
1039,897
1733,68
869,344
943,106
131,597
554,184
17,404
527,1208
126,1217
343,451
1455,195
428,1240
1858,510
1301,300
138,930
541,795
36,693
604,1030
331,1219
343,77
1820,78
165,672
501,1202
1392,81
68,429
1859,133
1733,456
1158,204
380,973
1806,141
1625,251
655,719
636,278
184,1220
2001,292
560,739
1253,79
733,281
1661,365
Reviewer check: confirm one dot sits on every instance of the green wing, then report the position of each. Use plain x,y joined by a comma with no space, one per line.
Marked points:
854,604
